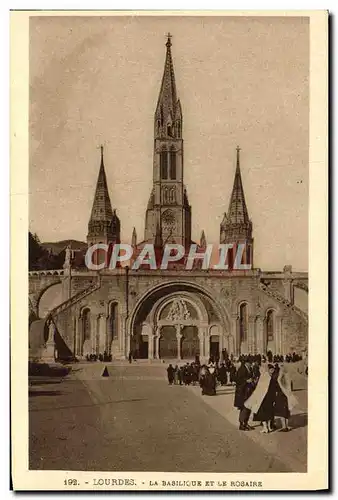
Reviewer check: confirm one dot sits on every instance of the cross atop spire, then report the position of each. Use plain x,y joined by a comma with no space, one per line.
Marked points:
169,37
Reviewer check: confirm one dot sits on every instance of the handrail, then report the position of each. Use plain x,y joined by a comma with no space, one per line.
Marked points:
284,301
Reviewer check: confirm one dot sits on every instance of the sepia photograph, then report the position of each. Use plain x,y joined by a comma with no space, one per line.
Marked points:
168,248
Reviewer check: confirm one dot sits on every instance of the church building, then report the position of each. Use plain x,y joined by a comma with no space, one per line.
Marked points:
174,313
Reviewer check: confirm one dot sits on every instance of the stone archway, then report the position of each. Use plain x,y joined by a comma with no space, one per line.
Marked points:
179,315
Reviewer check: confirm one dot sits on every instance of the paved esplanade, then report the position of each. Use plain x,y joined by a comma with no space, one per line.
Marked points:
134,421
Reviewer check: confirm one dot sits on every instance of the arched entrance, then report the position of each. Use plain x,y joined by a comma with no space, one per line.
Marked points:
178,317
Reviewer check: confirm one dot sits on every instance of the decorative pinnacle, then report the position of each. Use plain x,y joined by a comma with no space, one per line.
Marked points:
238,150
101,148
169,37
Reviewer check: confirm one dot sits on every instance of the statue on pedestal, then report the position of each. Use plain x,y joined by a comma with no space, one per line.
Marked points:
68,254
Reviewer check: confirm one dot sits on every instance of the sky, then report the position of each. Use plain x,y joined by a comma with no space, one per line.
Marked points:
241,81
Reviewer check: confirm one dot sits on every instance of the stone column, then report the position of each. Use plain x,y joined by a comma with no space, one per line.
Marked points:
151,343
260,348
178,337
157,342
207,345
201,339
93,332
79,339
102,333
123,336
251,335
234,332
220,345
231,344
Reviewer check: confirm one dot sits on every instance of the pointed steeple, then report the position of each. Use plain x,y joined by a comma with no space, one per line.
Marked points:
168,195
236,227
134,238
101,210
168,113
104,224
203,240
237,212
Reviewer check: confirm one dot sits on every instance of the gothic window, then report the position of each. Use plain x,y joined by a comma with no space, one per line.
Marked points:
164,164
173,164
172,195
169,129
270,325
243,322
86,324
165,195
113,325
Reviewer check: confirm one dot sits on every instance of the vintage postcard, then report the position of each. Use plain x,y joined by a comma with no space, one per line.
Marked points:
169,229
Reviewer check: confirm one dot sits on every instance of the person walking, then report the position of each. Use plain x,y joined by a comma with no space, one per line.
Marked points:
244,389
285,400
262,401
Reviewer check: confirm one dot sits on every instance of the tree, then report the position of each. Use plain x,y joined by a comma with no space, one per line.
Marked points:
36,252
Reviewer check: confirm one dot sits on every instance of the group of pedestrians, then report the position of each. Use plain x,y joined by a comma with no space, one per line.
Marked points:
263,388
207,376
187,374
263,392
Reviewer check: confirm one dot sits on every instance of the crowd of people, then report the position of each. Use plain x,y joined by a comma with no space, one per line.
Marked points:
99,357
194,373
263,388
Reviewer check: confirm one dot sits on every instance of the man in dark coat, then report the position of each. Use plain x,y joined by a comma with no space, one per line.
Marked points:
244,389
171,374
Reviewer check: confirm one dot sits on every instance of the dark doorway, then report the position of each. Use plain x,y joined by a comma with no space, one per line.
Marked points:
168,342
143,347
214,347
189,342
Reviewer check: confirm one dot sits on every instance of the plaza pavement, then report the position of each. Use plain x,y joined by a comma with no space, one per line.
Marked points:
133,421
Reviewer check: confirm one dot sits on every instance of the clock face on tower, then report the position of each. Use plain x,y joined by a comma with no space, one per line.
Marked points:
168,220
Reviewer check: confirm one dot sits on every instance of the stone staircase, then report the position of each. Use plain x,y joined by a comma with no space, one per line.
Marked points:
284,301
75,298
66,305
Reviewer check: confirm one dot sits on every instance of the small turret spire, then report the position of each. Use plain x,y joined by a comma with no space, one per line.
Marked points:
238,212
203,240
134,238
101,206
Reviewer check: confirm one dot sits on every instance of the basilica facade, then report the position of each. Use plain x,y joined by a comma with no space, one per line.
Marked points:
174,313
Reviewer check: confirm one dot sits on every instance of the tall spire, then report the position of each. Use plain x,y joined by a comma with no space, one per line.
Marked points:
101,210
168,203
238,213
168,108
